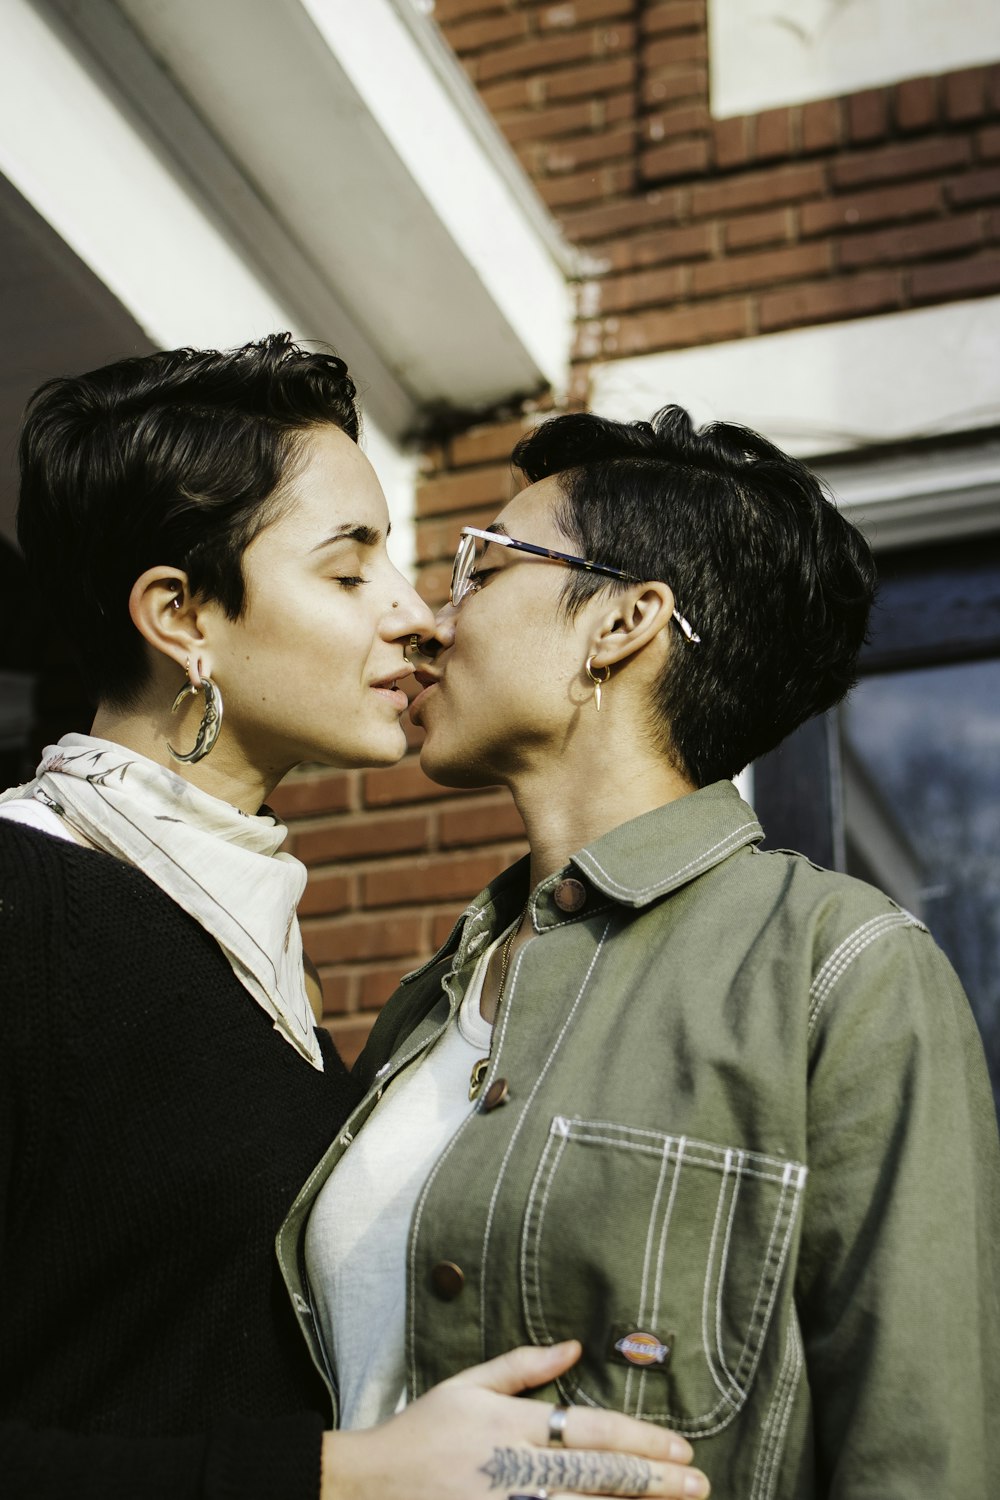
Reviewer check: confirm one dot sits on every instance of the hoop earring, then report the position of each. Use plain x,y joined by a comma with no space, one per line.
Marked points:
211,721
597,681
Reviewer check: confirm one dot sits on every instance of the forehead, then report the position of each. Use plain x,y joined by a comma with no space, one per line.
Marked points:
332,485
531,515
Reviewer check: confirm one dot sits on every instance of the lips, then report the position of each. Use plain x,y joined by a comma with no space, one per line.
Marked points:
427,681
389,689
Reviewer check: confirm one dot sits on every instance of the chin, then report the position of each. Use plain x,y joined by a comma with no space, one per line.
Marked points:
455,770
387,751
374,758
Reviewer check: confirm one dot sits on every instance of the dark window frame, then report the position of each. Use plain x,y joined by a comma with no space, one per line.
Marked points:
937,603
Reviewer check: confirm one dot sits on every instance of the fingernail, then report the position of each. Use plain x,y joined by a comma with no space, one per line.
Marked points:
695,1483
680,1451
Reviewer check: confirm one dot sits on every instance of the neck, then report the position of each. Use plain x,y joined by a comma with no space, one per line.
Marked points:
565,806
224,773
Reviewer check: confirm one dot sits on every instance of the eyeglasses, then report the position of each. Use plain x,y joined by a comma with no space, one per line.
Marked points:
473,543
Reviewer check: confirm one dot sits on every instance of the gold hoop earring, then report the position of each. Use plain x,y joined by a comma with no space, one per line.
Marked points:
597,681
211,721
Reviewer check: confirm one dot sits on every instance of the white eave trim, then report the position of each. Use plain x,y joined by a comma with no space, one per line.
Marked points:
909,499
483,128
336,115
830,393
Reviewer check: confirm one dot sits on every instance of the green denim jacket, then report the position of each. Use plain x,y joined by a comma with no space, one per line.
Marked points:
747,1154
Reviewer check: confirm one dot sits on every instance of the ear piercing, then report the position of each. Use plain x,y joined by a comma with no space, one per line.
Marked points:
597,681
211,719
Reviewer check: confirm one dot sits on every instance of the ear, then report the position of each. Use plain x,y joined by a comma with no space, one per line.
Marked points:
166,614
632,620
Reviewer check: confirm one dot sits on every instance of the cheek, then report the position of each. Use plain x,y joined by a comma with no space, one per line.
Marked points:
523,687
311,633
539,652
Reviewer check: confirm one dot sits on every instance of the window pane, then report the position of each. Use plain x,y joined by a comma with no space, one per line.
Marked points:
921,775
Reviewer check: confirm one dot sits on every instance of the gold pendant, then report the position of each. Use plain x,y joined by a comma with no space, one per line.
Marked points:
479,1070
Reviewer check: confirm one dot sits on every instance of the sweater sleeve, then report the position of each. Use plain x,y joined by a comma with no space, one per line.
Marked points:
898,1283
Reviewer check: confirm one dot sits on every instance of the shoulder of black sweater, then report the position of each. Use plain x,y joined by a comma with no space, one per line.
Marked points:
57,899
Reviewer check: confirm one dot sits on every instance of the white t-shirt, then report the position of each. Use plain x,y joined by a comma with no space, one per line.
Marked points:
36,815
356,1238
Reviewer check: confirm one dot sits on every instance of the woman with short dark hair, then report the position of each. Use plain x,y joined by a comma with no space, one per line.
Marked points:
720,1113
206,529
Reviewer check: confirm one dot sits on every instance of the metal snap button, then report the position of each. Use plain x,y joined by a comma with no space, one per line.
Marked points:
497,1092
447,1279
570,895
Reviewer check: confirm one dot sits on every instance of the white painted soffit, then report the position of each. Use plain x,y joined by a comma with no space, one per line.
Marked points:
73,153
130,214
352,122
843,388
178,236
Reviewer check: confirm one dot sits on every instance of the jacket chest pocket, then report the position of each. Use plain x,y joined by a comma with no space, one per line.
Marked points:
667,1257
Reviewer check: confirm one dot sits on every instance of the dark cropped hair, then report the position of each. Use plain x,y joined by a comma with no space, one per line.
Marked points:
772,577
174,458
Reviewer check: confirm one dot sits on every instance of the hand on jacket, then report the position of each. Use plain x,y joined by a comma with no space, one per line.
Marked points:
470,1437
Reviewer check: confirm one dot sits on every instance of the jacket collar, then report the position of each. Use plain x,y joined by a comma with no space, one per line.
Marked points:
632,865
641,860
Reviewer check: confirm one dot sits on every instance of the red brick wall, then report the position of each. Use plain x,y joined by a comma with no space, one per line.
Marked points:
704,230
696,231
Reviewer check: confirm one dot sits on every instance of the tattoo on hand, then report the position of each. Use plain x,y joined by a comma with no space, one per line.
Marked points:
513,1469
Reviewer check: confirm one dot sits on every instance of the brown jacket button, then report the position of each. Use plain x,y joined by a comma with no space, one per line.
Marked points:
496,1093
447,1279
570,895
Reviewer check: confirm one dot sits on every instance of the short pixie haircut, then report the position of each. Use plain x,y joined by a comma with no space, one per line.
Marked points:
775,581
176,458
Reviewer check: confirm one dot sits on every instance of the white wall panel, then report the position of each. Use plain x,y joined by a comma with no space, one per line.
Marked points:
766,53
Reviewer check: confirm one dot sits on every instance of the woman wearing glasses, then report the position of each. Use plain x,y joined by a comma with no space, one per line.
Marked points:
720,1114
210,535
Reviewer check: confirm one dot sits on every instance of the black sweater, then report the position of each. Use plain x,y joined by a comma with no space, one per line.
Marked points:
154,1130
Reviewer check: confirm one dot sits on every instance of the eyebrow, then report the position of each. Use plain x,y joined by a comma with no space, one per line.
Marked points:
366,536
499,528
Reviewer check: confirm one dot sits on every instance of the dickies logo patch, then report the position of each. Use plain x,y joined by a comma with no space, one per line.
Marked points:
642,1349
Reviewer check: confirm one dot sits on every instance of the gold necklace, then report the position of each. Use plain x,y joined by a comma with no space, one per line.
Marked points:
481,1065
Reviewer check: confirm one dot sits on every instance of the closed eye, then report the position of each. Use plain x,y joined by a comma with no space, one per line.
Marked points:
350,582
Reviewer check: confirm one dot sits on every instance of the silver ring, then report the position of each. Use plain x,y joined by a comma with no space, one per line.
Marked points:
558,1417
530,1495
